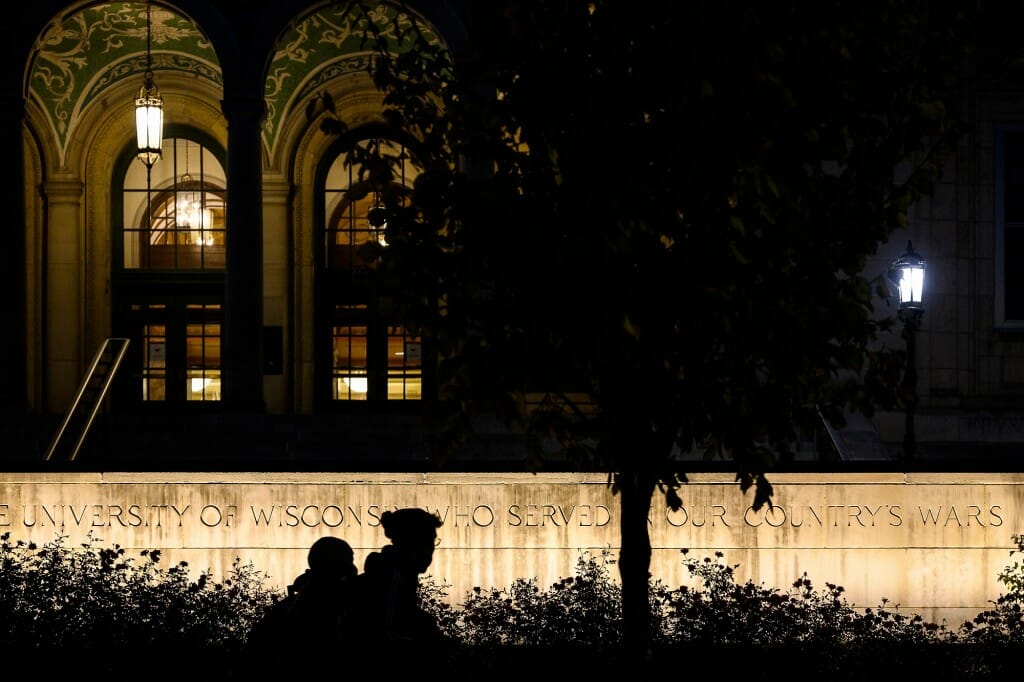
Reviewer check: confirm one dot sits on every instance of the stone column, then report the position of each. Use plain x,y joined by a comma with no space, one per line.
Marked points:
63,318
242,334
277,291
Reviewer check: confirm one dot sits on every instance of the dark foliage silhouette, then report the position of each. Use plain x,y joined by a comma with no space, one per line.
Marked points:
59,603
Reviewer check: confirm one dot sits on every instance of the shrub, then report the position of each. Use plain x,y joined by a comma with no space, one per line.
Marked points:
61,600
582,611
994,639
58,603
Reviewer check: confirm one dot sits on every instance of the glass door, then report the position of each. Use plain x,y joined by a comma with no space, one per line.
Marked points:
174,352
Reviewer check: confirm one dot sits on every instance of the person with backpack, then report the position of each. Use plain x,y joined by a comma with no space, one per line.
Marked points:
300,633
384,612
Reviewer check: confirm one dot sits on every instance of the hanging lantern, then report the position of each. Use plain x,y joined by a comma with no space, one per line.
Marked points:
377,217
149,110
149,122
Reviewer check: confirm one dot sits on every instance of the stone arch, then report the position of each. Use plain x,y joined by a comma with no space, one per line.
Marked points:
331,50
318,53
80,83
111,133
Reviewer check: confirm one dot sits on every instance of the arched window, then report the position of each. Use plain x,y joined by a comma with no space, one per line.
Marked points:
175,221
370,357
168,276
360,184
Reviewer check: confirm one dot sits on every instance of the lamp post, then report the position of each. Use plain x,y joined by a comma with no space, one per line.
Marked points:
907,273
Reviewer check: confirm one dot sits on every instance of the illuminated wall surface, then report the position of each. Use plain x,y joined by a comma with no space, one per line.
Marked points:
932,544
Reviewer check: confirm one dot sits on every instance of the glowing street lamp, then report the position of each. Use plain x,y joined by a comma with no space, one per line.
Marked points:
907,273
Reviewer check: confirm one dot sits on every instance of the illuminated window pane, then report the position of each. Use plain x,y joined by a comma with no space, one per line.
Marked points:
350,362
202,347
203,385
177,222
154,389
404,365
154,362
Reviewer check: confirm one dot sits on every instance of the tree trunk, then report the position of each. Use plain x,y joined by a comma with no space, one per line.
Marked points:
635,493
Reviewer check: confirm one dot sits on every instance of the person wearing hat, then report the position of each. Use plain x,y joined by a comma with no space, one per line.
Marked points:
384,608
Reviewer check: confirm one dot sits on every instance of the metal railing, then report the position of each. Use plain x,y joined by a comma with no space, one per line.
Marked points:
120,346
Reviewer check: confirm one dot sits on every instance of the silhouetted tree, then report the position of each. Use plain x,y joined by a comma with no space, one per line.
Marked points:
641,227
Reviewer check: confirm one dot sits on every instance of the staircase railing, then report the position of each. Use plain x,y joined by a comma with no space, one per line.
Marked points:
89,398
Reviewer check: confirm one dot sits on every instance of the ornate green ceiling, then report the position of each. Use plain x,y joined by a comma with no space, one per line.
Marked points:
331,43
81,54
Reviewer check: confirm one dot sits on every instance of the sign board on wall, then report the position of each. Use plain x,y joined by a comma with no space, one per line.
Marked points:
931,544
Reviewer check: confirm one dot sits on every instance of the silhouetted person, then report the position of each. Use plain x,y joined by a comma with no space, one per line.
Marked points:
384,613
300,634
318,593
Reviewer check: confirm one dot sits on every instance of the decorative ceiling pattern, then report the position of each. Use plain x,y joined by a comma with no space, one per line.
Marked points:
338,40
81,54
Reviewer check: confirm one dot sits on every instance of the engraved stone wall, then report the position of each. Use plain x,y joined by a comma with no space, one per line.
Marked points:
932,544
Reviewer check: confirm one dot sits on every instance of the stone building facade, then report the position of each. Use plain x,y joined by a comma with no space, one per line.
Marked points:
237,322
